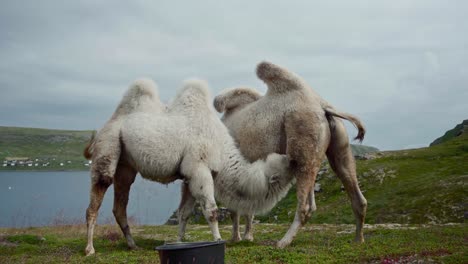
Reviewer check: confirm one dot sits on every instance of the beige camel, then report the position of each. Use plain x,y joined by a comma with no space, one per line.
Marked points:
186,141
291,118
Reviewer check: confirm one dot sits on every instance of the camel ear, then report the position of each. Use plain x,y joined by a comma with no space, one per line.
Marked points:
274,179
235,98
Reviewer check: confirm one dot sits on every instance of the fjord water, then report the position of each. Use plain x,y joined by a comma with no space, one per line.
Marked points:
55,198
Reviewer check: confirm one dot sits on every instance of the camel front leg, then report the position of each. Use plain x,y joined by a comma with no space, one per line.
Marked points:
235,217
248,234
187,202
202,188
307,137
124,178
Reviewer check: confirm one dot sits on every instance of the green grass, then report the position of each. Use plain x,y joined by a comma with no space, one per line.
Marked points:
53,146
314,244
412,187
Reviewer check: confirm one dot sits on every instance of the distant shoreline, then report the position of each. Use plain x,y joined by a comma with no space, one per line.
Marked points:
69,170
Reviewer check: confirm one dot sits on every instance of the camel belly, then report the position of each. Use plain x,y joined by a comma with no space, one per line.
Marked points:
153,151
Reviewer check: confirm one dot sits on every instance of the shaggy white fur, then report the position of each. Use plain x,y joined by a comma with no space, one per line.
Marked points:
185,141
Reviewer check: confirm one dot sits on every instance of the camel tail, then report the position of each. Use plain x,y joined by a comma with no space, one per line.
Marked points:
354,120
88,151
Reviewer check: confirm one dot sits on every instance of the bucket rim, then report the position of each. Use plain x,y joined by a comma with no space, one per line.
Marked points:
189,245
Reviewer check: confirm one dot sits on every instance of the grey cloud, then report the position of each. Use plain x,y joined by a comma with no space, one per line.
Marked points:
399,65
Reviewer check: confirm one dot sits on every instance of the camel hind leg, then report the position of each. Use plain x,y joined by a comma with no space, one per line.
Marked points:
98,189
342,161
105,158
187,203
123,179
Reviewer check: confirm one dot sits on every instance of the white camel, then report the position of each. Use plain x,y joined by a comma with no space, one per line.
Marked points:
186,141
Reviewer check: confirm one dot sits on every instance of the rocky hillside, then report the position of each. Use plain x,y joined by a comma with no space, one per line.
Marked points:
361,150
452,133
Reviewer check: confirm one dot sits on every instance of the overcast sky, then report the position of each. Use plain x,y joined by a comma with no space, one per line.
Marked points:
401,66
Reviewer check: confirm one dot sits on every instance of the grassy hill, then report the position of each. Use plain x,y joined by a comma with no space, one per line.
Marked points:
426,185
45,145
417,186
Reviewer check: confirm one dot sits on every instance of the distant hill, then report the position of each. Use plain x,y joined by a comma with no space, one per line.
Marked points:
53,147
359,150
43,146
455,132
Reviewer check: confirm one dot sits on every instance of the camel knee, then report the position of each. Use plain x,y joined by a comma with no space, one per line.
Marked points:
211,214
91,214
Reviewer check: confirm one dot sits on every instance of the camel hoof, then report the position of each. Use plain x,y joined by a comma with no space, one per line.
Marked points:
236,239
359,240
89,251
248,238
282,244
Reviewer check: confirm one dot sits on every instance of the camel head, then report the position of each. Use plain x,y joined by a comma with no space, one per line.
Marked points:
278,79
276,167
231,99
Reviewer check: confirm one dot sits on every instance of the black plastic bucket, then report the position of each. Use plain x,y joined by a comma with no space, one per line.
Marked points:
196,252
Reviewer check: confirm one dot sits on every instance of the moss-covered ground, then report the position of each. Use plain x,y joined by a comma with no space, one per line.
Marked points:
314,244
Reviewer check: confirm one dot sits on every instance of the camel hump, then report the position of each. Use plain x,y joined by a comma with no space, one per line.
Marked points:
279,79
194,92
142,87
142,95
231,99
